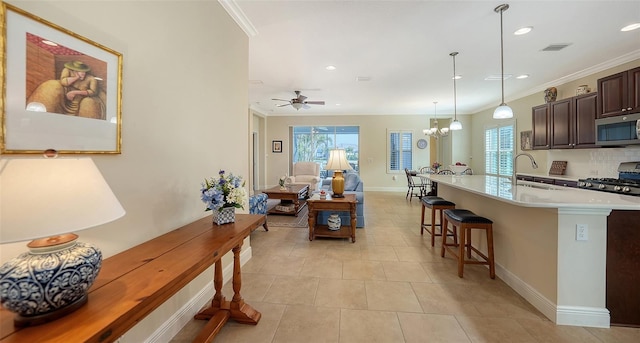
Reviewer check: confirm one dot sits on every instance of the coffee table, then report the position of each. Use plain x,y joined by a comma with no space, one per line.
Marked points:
346,204
293,196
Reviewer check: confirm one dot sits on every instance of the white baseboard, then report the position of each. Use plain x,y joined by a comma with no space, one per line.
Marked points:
584,316
561,315
177,321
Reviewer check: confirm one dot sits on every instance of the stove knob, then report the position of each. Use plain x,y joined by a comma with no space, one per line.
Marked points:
588,184
626,189
581,184
617,188
601,186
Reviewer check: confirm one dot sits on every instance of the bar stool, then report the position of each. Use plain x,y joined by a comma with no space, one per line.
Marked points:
467,220
435,203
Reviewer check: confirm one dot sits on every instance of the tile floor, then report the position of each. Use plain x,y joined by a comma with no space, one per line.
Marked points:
390,286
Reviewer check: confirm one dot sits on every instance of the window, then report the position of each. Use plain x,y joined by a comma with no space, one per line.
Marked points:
498,150
312,143
400,150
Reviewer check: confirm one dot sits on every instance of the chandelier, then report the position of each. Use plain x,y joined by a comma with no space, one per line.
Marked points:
435,131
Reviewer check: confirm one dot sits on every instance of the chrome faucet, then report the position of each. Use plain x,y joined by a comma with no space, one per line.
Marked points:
533,164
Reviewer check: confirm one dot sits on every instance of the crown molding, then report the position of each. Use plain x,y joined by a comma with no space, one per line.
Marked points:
239,17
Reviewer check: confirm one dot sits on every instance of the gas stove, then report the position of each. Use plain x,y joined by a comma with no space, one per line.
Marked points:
627,183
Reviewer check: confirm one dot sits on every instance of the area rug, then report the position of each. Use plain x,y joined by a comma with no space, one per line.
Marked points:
302,220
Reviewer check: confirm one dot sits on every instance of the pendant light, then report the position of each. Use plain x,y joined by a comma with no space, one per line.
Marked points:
455,124
503,111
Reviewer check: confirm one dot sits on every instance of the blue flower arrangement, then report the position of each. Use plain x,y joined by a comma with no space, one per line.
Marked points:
224,191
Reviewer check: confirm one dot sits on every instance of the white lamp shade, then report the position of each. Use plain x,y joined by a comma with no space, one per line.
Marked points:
455,125
338,160
52,196
503,112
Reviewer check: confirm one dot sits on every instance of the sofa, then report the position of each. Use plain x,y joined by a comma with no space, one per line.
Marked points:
352,185
305,173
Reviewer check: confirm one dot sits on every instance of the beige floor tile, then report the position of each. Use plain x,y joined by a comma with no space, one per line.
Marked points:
544,330
432,328
326,267
616,334
309,249
379,253
494,330
282,265
405,271
416,254
308,324
253,288
391,296
344,252
263,332
357,326
362,270
341,293
435,300
292,290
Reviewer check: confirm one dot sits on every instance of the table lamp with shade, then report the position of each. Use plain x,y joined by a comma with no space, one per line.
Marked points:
337,162
45,200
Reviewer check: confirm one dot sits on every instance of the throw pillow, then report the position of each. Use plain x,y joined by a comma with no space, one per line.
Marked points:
351,181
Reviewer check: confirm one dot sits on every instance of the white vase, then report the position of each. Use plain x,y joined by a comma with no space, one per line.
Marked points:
224,216
334,222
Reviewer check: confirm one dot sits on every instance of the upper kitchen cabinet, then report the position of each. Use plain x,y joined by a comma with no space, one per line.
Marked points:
540,125
566,124
619,93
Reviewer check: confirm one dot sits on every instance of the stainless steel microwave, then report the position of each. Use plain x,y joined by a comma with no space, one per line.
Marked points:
618,130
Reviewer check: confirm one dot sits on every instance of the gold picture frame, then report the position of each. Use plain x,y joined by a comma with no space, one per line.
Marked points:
61,90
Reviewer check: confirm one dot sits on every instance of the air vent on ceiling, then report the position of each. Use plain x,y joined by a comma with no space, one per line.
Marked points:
497,77
556,47
363,78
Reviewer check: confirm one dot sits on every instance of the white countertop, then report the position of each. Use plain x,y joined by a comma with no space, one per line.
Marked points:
529,194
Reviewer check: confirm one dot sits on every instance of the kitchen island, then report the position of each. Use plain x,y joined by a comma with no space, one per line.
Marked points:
537,250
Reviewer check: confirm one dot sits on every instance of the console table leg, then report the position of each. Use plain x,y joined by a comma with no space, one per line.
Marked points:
241,311
218,302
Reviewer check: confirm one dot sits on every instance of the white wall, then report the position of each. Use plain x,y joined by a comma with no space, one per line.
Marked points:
184,112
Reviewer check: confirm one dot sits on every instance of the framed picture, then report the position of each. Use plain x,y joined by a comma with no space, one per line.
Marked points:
525,140
276,146
62,91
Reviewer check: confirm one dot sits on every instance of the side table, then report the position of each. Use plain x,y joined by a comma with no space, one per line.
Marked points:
346,204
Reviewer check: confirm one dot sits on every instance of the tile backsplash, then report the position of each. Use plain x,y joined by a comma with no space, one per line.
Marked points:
602,162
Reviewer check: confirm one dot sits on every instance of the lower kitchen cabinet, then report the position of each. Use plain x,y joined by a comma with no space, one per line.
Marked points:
623,267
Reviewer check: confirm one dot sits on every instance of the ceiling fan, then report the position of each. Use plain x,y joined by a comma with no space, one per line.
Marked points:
299,102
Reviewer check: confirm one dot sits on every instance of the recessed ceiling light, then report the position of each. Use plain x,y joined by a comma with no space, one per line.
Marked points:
523,30
363,78
457,77
337,104
330,67
523,76
630,27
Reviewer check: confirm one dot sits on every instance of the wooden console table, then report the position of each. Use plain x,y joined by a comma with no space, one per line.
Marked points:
135,282
346,204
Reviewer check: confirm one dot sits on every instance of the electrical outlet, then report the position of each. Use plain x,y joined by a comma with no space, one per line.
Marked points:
582,232
393,178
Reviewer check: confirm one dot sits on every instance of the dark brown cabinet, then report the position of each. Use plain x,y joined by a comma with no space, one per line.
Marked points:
562,124
540,115
623,267
570,124
619,93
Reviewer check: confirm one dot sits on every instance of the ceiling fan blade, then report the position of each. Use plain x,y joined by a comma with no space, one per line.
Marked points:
306,107
281,100
283,105
314,102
